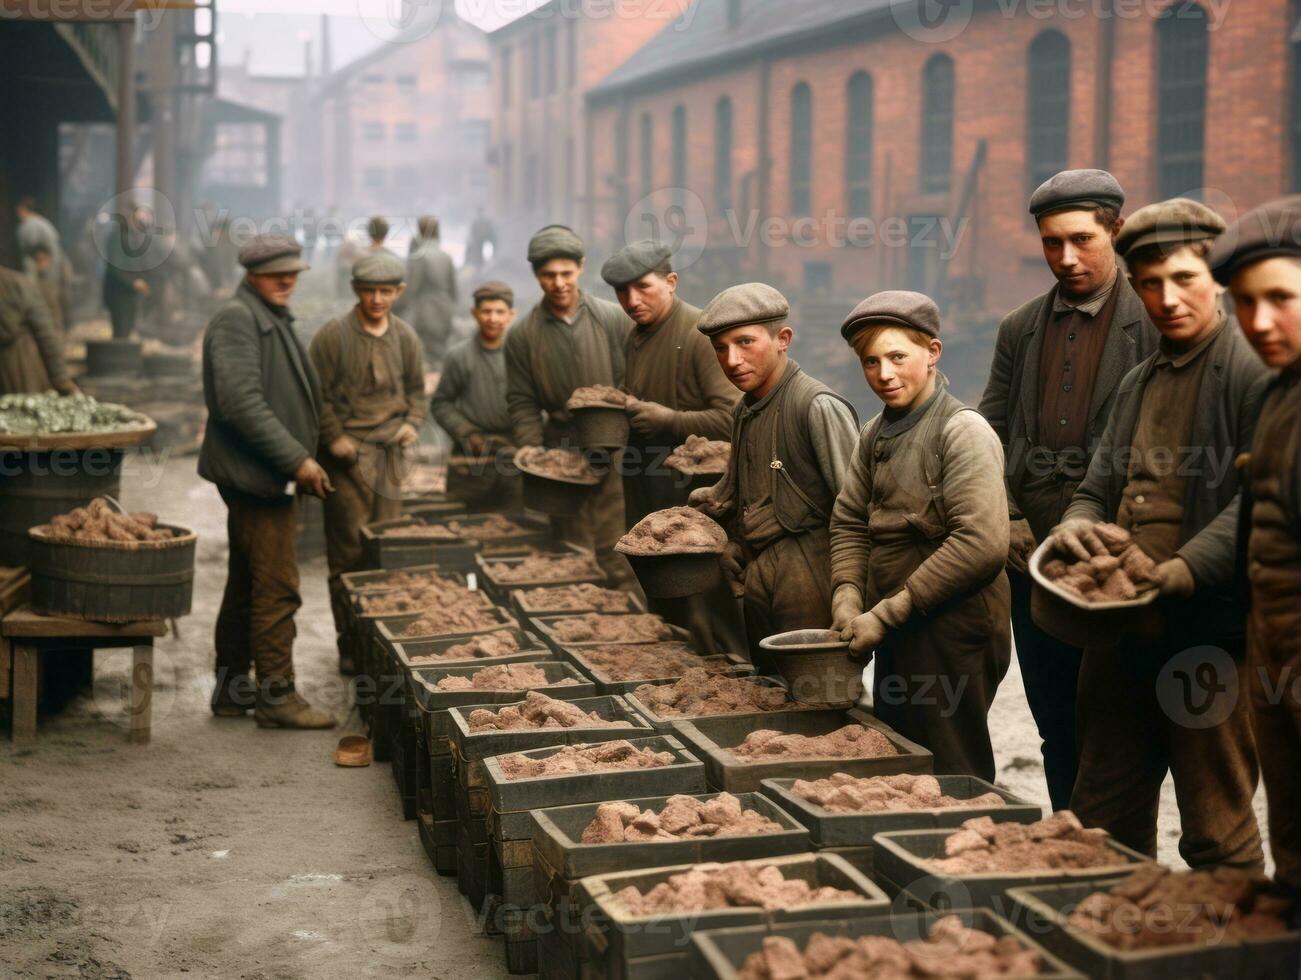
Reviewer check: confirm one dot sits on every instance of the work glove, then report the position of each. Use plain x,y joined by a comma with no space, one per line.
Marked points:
648,417
1175,578
1066,537
733,561
1020,545
846,606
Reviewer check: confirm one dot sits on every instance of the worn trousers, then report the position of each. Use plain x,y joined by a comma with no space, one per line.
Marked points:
598,527
1142,715
362,495
1274,686
1050,671
787,587
255,626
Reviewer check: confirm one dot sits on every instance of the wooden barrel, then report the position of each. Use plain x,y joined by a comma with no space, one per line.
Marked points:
35,486
113,581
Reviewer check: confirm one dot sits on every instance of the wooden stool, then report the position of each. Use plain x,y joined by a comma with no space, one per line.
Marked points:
25,635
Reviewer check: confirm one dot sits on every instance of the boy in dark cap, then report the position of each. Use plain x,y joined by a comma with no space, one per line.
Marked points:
570,340
792,437
263,400
1163,471
924,500
372,379
1057,364
470,402
1259,259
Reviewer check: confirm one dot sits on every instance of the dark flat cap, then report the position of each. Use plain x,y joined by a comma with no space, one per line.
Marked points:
750,304
272,254
555,242
633,261
1266,232
1076,190
494,289
893,308
1177,221
379,268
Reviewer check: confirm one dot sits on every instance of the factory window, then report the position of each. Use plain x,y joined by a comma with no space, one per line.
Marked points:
408,84
679,155
1181,94
239,155
647,154
572,57
1049,109
551,61
407,132
858,146
723,153
372,79
801,190
373,177
406,179
507,76
733,13
535,65
937,124
372,132
473,75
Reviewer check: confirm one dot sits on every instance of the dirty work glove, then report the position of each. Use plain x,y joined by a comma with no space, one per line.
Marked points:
846,606
733,561
1066,537
648,417
1020,546
1175,578
864,634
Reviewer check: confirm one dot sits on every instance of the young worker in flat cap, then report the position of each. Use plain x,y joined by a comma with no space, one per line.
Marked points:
569,340
1164,472
1057,364
1259,259
264,403
792,437
470,400
372,378
919,539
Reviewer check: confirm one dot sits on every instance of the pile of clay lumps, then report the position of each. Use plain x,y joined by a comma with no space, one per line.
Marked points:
596,628
683,818
486,646
849,742
503,677
581,597
538,711
725,886
843,793
699,692
1058,842
570,760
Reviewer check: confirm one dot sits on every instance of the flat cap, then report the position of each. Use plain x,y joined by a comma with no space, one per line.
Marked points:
1175,222
893,308
494,289
633,261
1266,232
1076,190
749,304
272,254
555,242
379,268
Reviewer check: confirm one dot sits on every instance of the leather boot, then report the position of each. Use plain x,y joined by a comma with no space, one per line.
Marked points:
286,708
233,694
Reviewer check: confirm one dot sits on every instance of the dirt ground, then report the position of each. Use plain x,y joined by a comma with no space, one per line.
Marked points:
221,850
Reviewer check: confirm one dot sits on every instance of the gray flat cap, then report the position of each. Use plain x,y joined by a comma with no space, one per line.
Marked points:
750,304
1076,190
1175,222
893,308
555,242
633,261
1266,232
494,289
273,254
380,268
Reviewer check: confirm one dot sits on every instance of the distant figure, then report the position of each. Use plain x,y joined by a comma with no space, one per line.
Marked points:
48,286
35,231
377,228
431,291
482,233
123,285
31,356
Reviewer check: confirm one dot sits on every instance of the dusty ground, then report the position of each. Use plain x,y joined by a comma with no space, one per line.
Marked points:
221,850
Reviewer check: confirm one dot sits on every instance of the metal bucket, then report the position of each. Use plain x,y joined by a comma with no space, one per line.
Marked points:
601,428
816,666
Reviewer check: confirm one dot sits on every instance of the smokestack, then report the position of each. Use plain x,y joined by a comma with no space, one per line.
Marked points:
327,62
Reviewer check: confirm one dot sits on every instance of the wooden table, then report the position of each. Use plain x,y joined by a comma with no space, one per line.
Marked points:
27,635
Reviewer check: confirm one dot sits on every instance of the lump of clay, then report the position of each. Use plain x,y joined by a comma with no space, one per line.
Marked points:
699,692
576,759
582,597
456,619
597,396
428,579
595,628
722,886
646,661
675,531
1055,843
683,818
700,455
538,711
555,464
501,643
843,793
546,568
396,602
505,677
490,528
1118,570
419,529
849,742
98,522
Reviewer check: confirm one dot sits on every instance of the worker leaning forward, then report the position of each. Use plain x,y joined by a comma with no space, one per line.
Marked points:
263,400
1259,259
1164,472
792,438
31,353
569,340
1058,361
370,365
919,540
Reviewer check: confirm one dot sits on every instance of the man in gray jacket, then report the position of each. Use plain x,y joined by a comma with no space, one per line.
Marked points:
1057,364
263,402
431,291
1164,471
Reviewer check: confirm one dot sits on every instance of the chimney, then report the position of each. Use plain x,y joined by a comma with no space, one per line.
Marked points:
733,13
327,66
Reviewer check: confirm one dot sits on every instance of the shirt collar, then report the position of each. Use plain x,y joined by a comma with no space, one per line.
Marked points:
578,311
1168,354
1090,305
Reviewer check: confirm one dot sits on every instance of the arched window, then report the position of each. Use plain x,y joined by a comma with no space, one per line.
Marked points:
801,149
858,146
679,154
647,154
937,124
1048,116
723,153
1181,94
